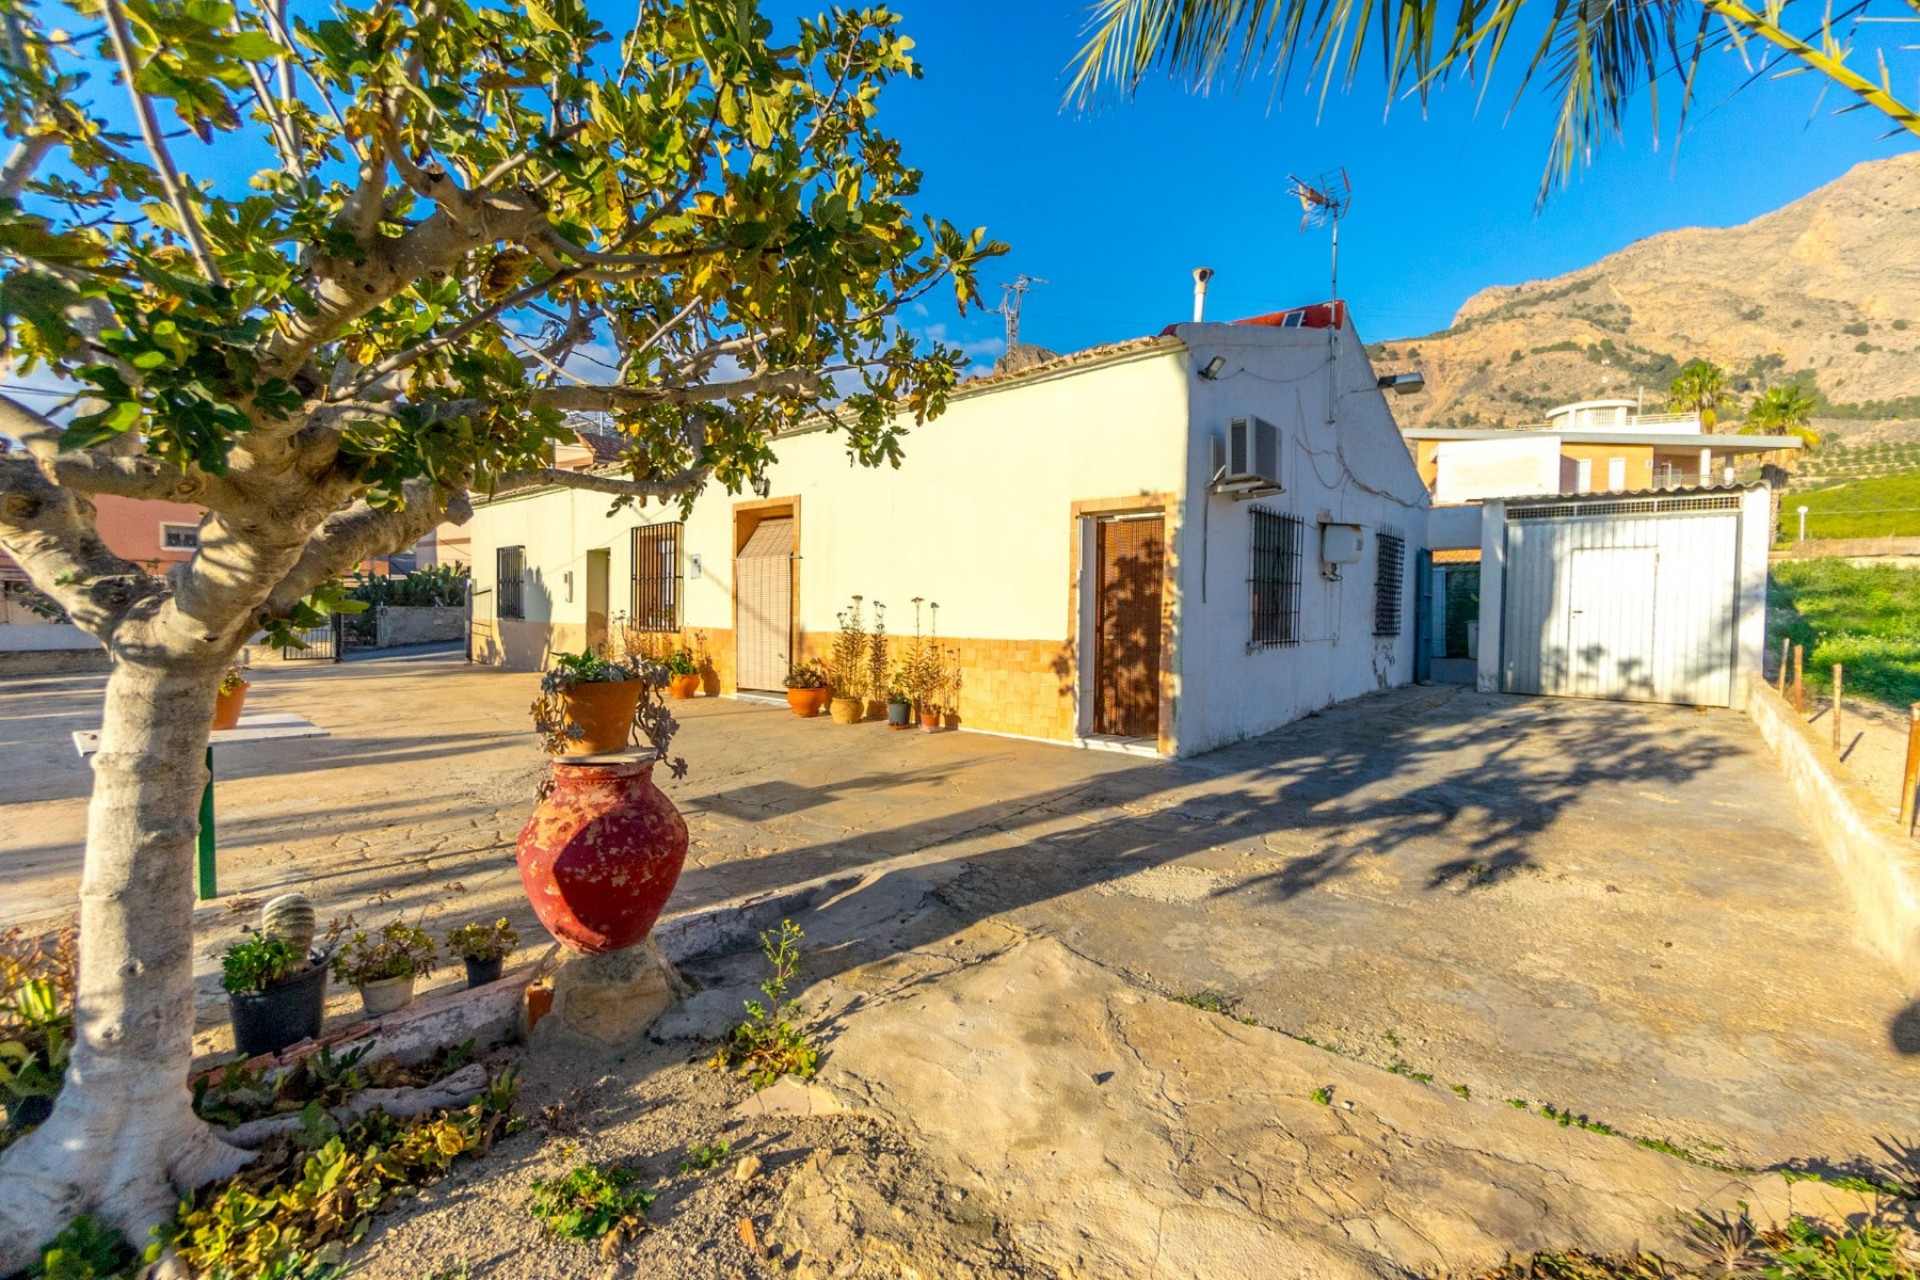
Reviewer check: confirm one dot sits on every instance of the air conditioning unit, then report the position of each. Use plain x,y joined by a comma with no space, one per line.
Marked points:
1253,453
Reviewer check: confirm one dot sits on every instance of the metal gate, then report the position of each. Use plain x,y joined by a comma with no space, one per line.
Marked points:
1634,600
1130,553
763,605
324,643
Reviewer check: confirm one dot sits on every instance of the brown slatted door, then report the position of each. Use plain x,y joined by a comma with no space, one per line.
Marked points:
763,605
1131,556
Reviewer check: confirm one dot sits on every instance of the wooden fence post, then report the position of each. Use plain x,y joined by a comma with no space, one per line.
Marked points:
1911,775
1838,675
1786,647
1799,687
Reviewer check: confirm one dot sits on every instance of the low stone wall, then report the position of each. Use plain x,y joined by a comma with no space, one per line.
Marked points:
400,626
1879,865
53,662
1846,548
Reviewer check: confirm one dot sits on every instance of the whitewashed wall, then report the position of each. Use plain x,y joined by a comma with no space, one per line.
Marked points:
1354,470
978,518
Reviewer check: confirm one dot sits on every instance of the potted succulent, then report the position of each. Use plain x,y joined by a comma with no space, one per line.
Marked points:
484,947
588,701
683,673
384,965
230,699
276,993
807,688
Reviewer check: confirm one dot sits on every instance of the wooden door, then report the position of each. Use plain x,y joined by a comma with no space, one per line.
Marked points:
1130,558
763,605
599,571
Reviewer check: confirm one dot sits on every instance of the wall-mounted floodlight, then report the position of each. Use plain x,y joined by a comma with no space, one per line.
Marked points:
1402,384
1212,368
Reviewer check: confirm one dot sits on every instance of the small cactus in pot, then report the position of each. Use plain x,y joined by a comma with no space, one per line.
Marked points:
290,917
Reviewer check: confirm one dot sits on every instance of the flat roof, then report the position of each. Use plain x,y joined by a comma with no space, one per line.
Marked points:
1696,440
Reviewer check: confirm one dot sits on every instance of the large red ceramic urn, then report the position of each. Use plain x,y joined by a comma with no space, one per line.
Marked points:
602,852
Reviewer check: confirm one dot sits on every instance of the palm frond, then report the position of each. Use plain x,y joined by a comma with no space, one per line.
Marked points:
1592,58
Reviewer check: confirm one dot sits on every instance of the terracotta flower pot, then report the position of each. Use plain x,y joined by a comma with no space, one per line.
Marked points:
226,706
849,710
930,720
808,702
386,995
684,686
603,711
601,854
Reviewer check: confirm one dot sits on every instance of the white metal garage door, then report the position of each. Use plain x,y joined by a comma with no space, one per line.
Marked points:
1634,600
763,605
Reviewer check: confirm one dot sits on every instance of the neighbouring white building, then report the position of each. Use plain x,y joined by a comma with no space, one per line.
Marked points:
1593,446
1171,543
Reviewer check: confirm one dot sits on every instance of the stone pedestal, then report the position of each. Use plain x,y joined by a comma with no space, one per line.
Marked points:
609,1001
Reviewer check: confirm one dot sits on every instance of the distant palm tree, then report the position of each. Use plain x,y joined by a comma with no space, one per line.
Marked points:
1700,387
1782,411
1592,57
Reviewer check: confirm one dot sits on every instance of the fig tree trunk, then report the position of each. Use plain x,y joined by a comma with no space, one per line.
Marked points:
123,1140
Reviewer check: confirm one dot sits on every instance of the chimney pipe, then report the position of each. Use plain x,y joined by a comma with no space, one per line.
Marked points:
1200,277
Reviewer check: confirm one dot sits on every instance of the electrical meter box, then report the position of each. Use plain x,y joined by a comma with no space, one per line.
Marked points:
1340,543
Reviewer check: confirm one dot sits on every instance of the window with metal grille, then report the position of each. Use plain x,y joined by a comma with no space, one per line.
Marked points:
179,537
1274,580
1389,567
510,565
656,577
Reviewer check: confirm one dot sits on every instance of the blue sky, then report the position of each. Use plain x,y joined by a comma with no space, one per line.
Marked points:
1116,209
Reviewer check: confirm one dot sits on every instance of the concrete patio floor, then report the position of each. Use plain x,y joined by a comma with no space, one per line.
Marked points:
1612,909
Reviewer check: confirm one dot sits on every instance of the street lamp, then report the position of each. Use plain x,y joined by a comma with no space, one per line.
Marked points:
1803,524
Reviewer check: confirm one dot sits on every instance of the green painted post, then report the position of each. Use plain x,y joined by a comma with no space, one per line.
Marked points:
208,889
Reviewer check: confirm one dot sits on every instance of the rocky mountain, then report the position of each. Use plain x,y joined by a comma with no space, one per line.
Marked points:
1825,291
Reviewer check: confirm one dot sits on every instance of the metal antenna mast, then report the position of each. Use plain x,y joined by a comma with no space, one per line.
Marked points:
1010,297
1324,203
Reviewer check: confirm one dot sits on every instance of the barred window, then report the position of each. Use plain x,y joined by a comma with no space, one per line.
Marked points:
1275,579
510,573
656,577
1389,561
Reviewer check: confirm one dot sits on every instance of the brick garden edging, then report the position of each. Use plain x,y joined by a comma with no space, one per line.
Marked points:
504,1010
1879,865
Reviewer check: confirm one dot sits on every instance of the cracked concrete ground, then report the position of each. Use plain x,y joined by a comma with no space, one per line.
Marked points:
1611,909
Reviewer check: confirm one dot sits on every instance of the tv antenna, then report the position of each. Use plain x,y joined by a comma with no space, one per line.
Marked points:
1010,297
1323,203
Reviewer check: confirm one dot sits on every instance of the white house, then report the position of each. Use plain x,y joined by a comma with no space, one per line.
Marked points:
1169,544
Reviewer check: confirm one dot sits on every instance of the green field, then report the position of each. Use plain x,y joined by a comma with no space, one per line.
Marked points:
1872,508
1868,620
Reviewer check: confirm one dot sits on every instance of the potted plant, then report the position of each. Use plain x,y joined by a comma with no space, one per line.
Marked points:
588,701
484,947
384,965
925,675
683,673
230,699
276,994
848,666
807,688
899,709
